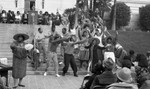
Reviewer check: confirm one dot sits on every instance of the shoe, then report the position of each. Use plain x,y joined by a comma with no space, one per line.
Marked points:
45,73
57,75
15,87
75,75
63,74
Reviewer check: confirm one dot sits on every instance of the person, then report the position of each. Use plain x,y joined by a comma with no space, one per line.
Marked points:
65,34
84,53
46,18
10,17
40,42
25,18
125,78
148,58
107,77
4,16
120,53
68,55
55,40
40,18
19,59
94,51
101,36
98,69
132,55
18,17
142,69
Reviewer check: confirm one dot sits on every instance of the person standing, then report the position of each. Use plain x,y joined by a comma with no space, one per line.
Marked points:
40,42
68,55
54,41
19,59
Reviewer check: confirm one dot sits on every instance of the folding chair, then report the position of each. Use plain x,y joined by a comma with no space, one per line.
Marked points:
83,82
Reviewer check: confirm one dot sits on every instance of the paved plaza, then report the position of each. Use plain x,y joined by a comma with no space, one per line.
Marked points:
50,82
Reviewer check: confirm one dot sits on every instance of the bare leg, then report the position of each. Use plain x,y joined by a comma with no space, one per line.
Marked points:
15,83
20,81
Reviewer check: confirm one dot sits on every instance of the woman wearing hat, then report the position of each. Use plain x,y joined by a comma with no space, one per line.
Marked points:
19,59
125,78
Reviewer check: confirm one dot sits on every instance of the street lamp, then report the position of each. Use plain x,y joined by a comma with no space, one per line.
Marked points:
16,3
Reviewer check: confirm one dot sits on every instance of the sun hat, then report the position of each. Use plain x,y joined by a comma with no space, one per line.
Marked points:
28,46
124,74
21,34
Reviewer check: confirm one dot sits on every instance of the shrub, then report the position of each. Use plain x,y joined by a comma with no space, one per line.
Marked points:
122,14
145,18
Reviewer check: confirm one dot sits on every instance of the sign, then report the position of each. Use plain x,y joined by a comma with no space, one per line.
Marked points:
33,17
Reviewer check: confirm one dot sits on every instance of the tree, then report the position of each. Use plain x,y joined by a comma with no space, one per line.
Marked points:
122,14
69,10
102,6
145,18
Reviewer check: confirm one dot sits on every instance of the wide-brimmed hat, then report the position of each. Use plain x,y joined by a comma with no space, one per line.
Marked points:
124,75
90,41
21,34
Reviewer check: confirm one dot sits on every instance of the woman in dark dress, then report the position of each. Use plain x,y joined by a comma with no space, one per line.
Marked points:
19,59
95,52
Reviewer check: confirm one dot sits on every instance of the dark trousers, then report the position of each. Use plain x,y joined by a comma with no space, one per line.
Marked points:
69,59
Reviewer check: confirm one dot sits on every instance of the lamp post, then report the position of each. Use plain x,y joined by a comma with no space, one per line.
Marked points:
16,3
114,17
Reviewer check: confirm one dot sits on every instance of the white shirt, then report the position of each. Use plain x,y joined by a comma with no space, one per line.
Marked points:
100,39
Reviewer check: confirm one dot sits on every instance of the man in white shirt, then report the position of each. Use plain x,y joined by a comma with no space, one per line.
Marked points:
40,42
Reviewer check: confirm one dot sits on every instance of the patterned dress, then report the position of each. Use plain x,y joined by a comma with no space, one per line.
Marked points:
19,59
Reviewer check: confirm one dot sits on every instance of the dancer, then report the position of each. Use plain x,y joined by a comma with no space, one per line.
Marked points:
68,55
19,59
52,54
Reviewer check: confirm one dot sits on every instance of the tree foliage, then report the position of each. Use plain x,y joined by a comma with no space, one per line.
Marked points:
69,10
122,14
145,18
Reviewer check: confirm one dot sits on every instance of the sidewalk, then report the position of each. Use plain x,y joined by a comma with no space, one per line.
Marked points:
50,82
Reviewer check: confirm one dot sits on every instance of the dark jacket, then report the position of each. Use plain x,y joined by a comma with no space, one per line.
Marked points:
106,78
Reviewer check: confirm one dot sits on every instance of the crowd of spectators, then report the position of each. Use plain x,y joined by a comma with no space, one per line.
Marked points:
22,18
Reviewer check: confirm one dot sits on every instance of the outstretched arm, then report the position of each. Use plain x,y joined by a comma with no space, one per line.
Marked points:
60,40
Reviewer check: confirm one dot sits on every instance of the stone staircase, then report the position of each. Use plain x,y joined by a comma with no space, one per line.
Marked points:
7,31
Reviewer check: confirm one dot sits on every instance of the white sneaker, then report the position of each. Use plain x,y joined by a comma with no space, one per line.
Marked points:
87,75
57,75
45,73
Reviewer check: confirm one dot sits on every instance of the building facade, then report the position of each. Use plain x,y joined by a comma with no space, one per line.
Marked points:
40,5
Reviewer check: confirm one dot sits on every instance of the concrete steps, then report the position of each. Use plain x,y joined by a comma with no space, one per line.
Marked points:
7,31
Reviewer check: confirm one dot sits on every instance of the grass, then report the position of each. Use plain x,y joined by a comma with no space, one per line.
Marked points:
137,41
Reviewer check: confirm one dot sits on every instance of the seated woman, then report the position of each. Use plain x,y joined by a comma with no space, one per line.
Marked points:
107,77
4,16
125,78
18,17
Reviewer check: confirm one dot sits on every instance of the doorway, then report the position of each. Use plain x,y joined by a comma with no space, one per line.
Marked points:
30,5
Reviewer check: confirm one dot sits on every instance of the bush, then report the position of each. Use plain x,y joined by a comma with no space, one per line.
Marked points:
145,18
122,14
